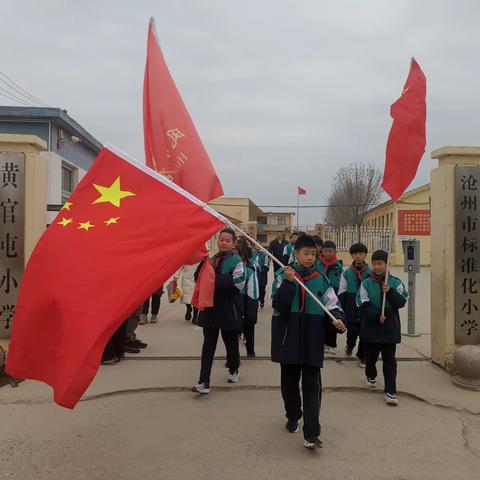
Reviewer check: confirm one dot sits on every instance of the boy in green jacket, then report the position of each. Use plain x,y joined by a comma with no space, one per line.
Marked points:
381,333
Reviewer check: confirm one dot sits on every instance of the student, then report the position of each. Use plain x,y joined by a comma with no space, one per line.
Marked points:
187,284
226,314
347,291
381,333
291,259
288,250
319,243
332,267
263,266
298,336
249,294
155,303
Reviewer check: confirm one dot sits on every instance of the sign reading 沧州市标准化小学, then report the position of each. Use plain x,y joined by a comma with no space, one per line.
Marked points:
467,255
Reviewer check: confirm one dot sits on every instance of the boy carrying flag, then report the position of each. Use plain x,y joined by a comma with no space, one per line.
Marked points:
298,337
381,333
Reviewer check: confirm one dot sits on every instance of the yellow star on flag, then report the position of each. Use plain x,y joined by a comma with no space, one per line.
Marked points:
67,205
65,221
111,194
111,220
85,225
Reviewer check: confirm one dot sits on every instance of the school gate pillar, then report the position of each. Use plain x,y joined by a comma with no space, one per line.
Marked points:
23,214
455,249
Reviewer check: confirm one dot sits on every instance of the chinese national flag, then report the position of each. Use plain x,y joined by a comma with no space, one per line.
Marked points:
172,144
301,191
122,234
406,141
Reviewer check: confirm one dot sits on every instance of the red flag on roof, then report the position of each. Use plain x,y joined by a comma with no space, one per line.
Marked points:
123,232
301,191
172,144
407,139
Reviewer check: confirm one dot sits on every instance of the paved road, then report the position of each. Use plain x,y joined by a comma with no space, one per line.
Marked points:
139,420
235,435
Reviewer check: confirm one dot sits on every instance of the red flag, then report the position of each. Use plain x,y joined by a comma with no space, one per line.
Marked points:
406,141
301,191
124,231
204,287
172,145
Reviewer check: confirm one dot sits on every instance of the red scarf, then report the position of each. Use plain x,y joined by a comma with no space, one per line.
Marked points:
219,258
304,279
376,278
359,272
328,263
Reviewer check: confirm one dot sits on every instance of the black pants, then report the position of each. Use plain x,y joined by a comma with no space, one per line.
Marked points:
311,393
261,293
115,347
191,308
353,333
388,350
210,339
330,336
155,304
249,334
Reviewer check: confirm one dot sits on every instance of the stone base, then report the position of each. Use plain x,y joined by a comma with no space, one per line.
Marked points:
467,383
466,366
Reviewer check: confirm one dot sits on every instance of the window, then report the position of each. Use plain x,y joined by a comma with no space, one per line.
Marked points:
262,237
262,220
281,221
68,182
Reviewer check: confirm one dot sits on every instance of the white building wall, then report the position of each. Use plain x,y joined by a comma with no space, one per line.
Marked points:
54,194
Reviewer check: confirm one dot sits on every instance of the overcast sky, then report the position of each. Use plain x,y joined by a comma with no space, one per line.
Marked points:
282,92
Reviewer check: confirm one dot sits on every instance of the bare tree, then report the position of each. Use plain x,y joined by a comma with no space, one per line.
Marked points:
358,188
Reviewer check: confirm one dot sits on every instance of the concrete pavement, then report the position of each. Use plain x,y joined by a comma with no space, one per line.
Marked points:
139,419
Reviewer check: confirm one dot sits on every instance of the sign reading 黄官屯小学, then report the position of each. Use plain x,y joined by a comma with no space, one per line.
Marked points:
467,255
12,229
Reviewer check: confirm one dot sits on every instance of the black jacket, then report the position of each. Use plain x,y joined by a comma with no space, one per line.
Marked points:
371,330
276,249
298,337
227,310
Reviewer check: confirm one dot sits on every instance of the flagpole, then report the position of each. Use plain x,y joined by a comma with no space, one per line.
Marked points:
298,207
390,249
302,285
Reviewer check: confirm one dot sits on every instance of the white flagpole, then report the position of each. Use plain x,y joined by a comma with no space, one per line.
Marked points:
390,248
298,208
302,285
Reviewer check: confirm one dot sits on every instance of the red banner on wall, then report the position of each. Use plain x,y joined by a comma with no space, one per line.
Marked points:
414,222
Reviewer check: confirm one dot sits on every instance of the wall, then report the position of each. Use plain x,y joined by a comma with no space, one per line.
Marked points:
236,207
55,179
40,128
444,255
77,153
387,215
36,173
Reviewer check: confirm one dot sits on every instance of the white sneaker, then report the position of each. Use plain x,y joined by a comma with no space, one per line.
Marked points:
153,319
361,363
315,444
233,377
201,388
371,383
391,399
143,319
329,350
